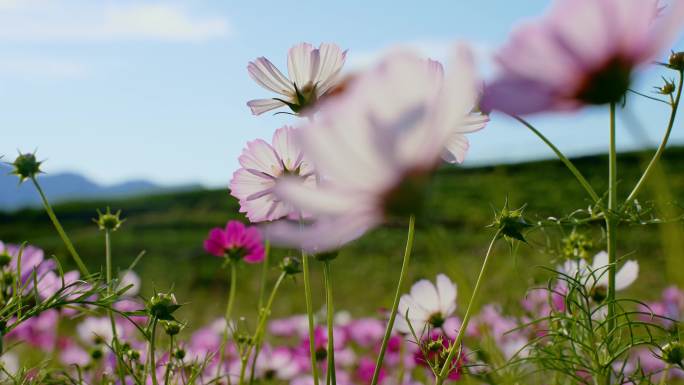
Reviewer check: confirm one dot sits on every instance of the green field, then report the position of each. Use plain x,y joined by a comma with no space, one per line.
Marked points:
450,238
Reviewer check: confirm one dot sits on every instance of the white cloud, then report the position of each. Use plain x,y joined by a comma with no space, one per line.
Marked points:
80,21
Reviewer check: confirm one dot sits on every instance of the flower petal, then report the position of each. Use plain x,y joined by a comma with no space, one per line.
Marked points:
627,274
269,77
259,106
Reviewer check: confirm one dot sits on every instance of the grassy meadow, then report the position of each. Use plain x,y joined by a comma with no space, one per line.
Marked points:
452,239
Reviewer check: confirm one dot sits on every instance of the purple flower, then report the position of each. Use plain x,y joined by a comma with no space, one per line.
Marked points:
263,165
581,52
236,241
39,331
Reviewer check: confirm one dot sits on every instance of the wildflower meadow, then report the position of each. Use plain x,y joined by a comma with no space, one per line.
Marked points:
359,150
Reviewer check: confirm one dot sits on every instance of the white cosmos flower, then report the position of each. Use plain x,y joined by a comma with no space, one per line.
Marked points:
263,164
595,276
9,363
428,305
312,72
96,330
276,363
129,278
375,146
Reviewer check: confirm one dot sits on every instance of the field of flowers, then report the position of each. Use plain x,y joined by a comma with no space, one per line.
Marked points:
364,154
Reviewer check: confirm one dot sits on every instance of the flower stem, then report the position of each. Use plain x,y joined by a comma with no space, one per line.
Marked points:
309,313
153,364
327,276
567,162
168,363
395,303
663,144
455,348
611,222
264,273
60,229
227,315
261,326
108,277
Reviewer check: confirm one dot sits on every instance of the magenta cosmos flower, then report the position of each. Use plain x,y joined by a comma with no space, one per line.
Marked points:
312,72
263,164
236,241
375,146
581,52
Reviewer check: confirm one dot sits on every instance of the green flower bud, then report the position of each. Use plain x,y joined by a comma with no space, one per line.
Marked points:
179,354
5,259
511,223
108,220
172,327
133,354
291,265
673,353
26,166
96,354
162,305
329,256
666,89
676,61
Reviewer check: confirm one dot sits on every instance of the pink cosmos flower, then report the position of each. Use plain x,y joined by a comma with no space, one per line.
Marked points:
263,164
39,331
427,306
236,241
581,52
32,260
276,363
312,72
375,147
96,330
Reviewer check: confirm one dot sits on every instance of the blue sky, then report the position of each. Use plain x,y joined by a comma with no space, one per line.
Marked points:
118,90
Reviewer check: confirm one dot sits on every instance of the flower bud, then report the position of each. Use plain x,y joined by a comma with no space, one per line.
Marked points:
26,166
108,220
666,89
291,265
133,354
511,223
676,61
179,354
673,353
329,256
172,327
162,305
96,354
5,259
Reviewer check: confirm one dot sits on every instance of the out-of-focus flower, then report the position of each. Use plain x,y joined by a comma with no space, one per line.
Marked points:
595,276
39,331
50,283
295,326
276,363
32,260
72,354
581,52
669,310
9,363
365,331
492,323
129,278
427,306
312,73
375,147
263,164
433,352
236,242
96,331
365,369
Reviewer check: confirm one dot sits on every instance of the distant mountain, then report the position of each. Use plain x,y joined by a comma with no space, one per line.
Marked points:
70,186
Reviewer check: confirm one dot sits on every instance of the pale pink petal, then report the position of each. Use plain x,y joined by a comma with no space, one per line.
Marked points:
668,29
424,293
268,76
287,147
319,200
260,156
259,106
331,62
447,294
302,64
627,274
455,149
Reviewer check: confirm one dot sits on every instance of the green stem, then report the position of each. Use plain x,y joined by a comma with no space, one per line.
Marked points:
168,364
229,311
153,364
261,327
395,303
108,277
60,229
455,347
264,273
666,372
611,222
327,276
663,144
567,162
310,316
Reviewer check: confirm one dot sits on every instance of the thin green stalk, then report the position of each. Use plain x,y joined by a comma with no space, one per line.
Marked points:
229,311
395,303
261,327
168,364
663,144
611,222
455,348
60,229
108,277
310,316
567,162
153,364
264,274
327,277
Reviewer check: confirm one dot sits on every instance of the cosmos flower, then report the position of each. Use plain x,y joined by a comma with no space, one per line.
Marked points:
595,276
276,363
96,331
263,164
312,72
581,52
427,306
375,147
236,241
130,279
